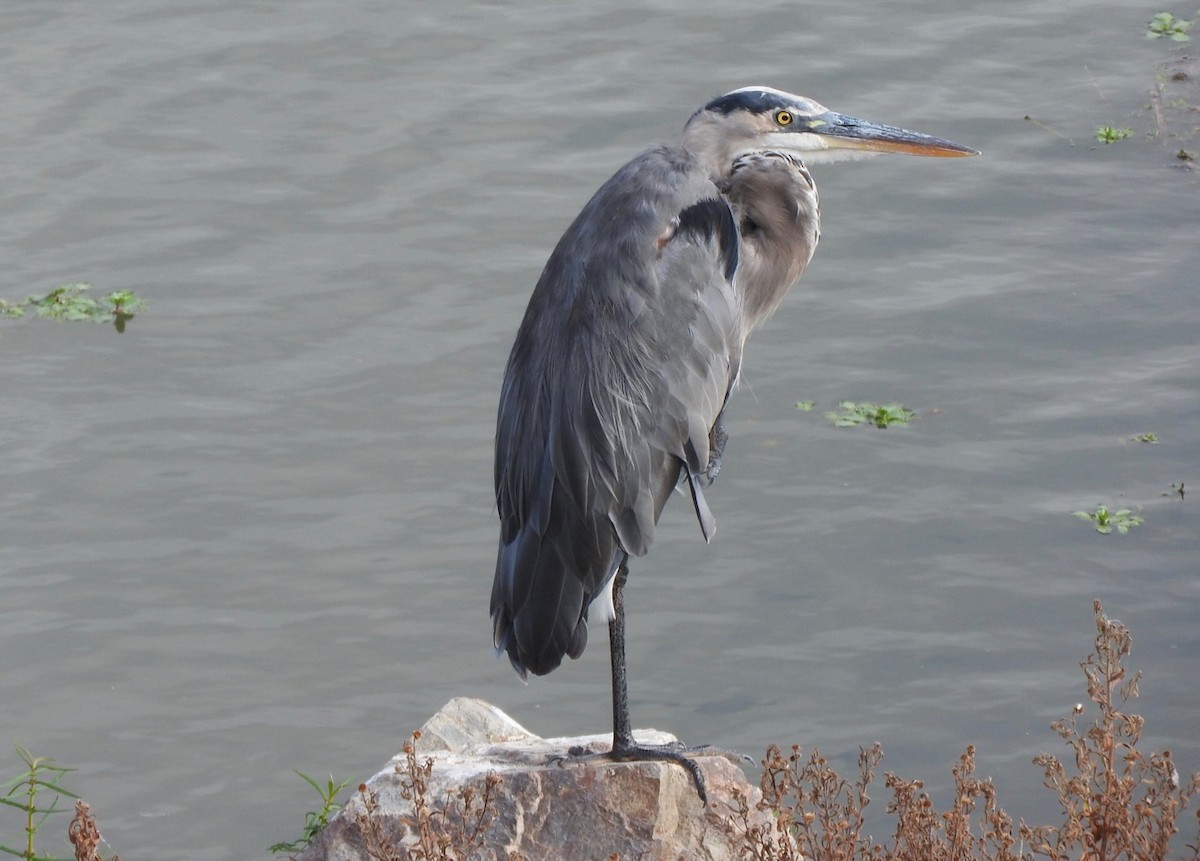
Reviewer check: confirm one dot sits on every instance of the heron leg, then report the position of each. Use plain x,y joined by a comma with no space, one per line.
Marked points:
622,732
624,747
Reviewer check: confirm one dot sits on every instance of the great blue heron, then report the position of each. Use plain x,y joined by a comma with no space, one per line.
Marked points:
629,348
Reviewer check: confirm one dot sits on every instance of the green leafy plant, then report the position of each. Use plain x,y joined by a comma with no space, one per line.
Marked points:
1146,437
1109,134
314,820
850,413
1106,521
805,406
1166,24
72,302
68,302
22,793
124,304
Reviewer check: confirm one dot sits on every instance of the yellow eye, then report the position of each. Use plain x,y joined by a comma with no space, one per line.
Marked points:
783,118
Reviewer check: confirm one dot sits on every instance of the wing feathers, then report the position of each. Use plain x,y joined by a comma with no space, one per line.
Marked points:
619,371
712,220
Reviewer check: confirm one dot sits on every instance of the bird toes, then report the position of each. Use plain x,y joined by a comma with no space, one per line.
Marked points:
675,752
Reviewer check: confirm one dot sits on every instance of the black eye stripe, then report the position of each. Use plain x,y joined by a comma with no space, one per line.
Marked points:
754,101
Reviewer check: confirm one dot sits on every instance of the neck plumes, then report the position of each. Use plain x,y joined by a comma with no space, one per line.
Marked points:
776,207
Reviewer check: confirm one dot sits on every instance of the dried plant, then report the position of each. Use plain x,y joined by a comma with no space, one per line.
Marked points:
85,836
378,845
1117,803
954,835
450,830
816,814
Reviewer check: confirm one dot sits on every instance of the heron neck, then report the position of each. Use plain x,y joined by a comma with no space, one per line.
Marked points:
710,144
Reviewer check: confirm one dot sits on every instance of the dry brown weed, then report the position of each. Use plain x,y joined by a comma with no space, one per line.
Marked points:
449,830
1116,803
85,835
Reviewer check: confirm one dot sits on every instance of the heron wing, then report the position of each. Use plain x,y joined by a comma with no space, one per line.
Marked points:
620,368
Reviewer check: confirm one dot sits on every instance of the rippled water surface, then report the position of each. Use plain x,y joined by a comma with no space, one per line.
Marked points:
256,532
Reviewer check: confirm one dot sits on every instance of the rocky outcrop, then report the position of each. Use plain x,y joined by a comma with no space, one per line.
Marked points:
539,808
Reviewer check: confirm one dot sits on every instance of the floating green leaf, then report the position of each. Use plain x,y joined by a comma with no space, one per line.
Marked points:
68,302
1166,24
851,413
1106,521
1109,134
72,302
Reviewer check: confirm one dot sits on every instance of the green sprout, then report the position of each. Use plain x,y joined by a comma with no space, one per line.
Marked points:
1166,24
21,793
314,820
1108,134
1106,521
850,414
124,303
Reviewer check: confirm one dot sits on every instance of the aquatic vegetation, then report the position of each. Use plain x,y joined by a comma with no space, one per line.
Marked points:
1108,134
850,413
1106,521
72,302
1164,24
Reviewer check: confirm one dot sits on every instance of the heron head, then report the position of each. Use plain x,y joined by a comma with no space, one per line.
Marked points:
762,118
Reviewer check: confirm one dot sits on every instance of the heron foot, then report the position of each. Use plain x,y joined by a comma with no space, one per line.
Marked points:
675,752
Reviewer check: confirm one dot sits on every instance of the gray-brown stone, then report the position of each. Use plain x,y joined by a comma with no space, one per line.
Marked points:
542,809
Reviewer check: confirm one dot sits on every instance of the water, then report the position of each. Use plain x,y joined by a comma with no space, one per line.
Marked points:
256,532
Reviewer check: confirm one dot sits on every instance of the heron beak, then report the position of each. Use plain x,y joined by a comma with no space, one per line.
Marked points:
840,132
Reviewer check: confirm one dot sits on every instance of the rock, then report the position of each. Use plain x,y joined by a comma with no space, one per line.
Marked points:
539,809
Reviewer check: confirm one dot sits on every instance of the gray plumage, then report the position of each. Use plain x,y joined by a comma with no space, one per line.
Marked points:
624,361
631,344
